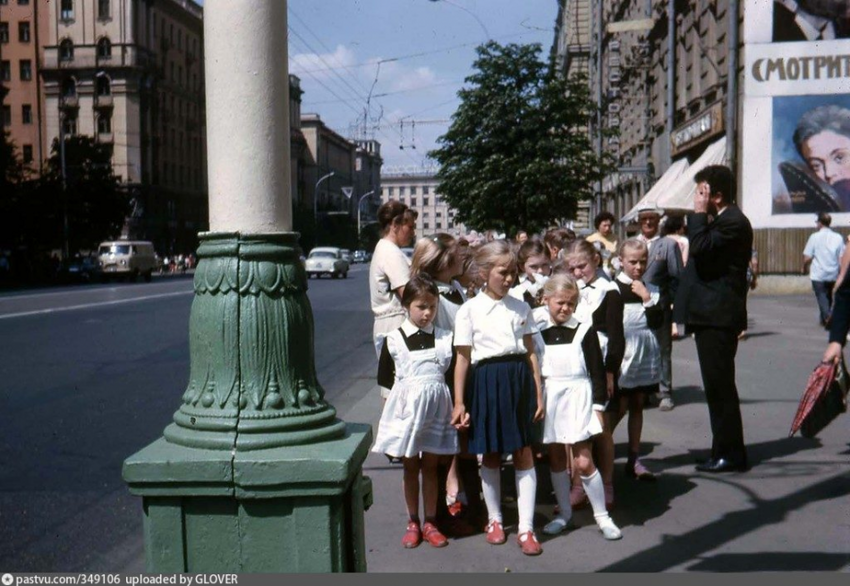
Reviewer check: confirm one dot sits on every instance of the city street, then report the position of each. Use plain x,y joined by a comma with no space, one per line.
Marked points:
91,374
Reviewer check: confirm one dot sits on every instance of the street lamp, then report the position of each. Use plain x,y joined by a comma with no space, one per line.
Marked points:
316,202
360,201
472,14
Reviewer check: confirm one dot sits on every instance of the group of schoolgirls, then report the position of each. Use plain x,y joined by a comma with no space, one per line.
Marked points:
539,354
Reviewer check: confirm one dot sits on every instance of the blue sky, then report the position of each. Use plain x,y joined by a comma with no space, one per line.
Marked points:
335,47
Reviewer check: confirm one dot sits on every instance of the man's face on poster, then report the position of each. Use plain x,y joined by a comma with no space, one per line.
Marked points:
828,156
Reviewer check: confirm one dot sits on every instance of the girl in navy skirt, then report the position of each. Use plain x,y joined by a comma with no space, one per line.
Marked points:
503,396
574,388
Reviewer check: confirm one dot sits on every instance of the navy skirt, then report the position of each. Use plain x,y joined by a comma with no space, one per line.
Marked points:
501,401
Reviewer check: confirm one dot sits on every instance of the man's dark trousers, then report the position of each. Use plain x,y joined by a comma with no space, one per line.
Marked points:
716,349
823,293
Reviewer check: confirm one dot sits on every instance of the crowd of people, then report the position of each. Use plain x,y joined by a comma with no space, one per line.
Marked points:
535,349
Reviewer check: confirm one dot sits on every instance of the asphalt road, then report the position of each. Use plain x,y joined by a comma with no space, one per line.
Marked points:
91,374
88,375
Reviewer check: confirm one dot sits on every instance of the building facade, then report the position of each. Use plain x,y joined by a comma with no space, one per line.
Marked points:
418,190
22,26
130,73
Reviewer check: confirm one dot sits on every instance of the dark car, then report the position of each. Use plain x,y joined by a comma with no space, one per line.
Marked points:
82,270
359,256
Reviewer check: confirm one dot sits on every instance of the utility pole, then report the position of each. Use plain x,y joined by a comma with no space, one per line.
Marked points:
360,201
65,243
732,86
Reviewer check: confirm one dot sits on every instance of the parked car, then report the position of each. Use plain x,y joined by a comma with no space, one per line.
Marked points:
127,258
346,254
326,260
359,256
81,269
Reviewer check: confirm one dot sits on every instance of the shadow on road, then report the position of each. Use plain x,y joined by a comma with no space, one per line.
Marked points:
811,561
758,453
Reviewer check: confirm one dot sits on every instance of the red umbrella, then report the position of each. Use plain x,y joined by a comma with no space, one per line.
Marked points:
819,383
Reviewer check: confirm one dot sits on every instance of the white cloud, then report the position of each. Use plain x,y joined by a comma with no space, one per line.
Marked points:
316,66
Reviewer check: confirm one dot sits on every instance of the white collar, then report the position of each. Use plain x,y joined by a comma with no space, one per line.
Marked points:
625,279
443,287
721,211
649,240
409,328
571,323
487,302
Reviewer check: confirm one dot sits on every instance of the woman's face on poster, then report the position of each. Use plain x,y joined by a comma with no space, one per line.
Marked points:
828,156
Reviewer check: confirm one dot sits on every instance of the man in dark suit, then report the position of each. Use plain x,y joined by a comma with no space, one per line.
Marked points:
712,302
662,270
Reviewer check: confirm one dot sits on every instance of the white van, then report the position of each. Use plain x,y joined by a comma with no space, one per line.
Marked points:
127,258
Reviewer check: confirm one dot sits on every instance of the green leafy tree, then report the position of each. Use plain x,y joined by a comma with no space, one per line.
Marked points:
97,206
517,155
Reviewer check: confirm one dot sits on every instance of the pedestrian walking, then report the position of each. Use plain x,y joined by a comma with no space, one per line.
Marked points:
663,270
389,270
575,394
640,373
503,398
601,305
605,241
416,421
822,259
712,303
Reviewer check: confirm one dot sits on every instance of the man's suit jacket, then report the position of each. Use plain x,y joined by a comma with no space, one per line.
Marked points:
713,291
664,268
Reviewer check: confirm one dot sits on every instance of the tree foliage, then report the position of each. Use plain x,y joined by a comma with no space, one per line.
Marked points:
517,154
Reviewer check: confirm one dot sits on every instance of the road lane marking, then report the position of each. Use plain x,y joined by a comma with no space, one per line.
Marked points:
89,305
13,297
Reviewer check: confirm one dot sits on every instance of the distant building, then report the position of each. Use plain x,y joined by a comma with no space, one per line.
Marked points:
418,190
130,73
22,24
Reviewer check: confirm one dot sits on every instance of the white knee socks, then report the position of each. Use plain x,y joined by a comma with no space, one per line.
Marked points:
596,495
561,486
491,486
526,490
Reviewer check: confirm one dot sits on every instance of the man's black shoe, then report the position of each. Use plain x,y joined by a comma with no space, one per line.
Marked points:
722,465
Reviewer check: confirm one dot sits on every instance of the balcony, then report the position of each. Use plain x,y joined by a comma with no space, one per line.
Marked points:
105,138
71,101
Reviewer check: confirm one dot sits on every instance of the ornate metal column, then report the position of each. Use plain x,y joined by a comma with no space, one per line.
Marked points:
256,474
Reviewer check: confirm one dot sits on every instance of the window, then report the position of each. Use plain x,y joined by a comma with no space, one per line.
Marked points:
7,115
391,191
103,9
27,150
66,50
425,201
67,9
69,88
69,124
103,86
23,32
26,70
5,71
413,190
22,2
426,225
104,48
180,39
413,202
4,32
26,114
104,123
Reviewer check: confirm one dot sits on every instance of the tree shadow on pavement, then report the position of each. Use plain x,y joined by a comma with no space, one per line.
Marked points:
786,561
677,550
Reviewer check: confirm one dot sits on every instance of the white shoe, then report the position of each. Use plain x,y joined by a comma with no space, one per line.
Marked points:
666,404
609,531
557,526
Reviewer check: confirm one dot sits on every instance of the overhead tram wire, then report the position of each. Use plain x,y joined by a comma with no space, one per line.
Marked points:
416,89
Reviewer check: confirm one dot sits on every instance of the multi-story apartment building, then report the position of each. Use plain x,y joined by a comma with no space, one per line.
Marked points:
663,107
418,190
130,73
22,26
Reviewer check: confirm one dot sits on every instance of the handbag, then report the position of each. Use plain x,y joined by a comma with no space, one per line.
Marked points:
830,404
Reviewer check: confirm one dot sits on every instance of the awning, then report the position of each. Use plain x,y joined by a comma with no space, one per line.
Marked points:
677,194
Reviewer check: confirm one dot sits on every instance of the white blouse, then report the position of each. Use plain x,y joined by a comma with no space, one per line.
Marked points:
493,327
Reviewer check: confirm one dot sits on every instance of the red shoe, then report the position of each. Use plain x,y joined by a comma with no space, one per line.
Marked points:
456,508
578,498
528,543
495,533
433,536
413,536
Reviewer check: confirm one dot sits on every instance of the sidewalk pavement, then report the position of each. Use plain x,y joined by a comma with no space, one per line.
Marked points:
789,512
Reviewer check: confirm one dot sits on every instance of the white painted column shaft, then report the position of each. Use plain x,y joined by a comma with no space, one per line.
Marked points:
247,89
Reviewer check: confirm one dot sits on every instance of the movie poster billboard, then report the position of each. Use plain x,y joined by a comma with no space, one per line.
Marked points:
795,123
